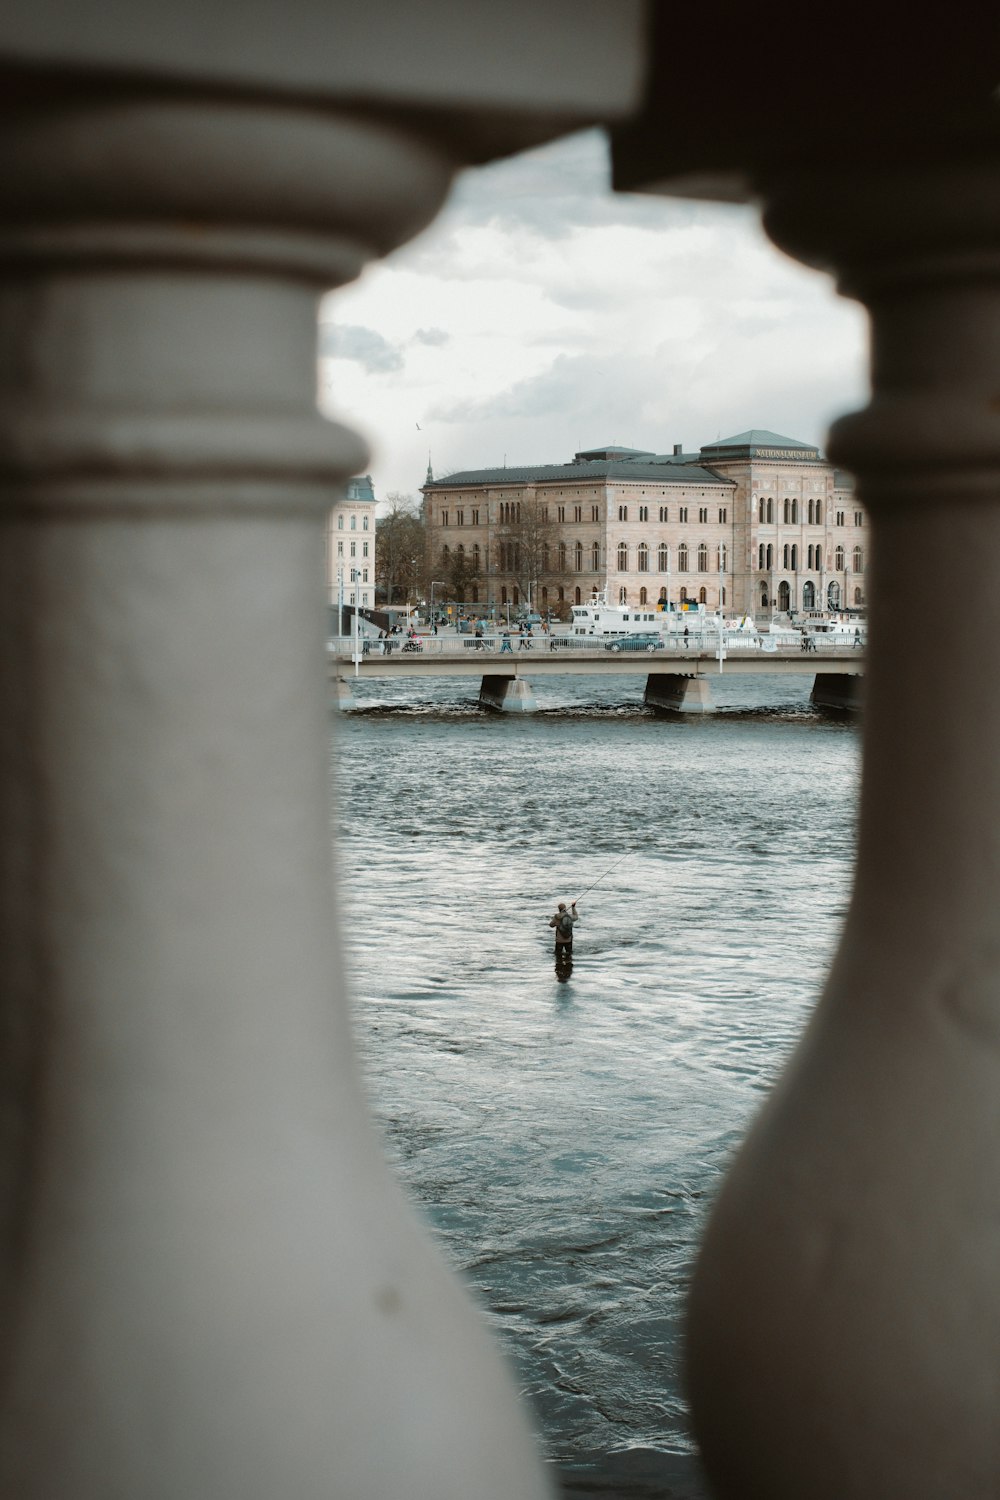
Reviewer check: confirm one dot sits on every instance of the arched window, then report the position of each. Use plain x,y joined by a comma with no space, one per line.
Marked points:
663,596
703,596
445,554
784,594
795,511
838,559
475,556
787,510
562,557
643,597
809,595
770,509
769,557
642,559
354,523
833,594
795,557
859,560
545,557
595,556
562,594
723,557
785,551
623,595
623,512
577,597
545,596
703,557
859,597
623,557
682,558
578,556
763,596
760,557
503,594
340,523
684,595
663,558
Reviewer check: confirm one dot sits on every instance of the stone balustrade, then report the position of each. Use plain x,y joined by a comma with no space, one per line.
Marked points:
210,1287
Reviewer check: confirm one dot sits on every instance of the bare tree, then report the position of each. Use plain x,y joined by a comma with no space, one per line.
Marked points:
459,570
524,546
400,549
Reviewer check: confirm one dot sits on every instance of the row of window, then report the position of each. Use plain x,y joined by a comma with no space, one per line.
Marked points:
682,513
509,557
716,557
810,596
354,549
766,556
354,523
510,514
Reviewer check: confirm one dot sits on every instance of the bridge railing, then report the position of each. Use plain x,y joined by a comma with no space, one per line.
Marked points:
698,643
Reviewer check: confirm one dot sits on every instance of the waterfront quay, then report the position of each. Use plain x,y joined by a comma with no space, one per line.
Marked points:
678,674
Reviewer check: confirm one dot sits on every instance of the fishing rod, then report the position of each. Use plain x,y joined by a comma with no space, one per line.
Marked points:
607,872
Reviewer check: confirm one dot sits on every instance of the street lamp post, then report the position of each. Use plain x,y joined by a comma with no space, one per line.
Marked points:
435,583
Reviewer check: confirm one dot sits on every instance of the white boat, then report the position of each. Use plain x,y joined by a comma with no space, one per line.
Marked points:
599,618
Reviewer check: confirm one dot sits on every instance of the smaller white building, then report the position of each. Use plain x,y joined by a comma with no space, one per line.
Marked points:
350,552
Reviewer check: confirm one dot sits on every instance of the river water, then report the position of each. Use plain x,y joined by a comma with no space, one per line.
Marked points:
564,1139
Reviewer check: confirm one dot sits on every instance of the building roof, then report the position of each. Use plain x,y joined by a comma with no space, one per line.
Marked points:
611,450
666,472
360,488
755,439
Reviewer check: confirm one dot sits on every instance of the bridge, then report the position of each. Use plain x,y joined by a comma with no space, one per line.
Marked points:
678,674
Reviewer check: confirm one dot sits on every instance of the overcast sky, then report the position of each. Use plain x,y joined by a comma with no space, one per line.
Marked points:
542,313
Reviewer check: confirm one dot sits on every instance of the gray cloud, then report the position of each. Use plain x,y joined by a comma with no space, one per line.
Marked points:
436,337
350,341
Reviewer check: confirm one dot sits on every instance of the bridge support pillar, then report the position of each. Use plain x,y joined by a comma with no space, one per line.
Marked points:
509,695
677,693
840,691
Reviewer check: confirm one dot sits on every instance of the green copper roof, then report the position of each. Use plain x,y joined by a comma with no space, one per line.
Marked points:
757,437
621,468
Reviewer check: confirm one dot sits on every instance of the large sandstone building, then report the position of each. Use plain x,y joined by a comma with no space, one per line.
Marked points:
750,523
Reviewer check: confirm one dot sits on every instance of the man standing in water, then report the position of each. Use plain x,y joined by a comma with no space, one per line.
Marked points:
563,924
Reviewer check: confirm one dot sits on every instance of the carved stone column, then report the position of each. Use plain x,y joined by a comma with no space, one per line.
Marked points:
210,1287
845,1317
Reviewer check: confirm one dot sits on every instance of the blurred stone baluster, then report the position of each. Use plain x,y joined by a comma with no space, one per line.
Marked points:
845,1313
844,1321
210,1284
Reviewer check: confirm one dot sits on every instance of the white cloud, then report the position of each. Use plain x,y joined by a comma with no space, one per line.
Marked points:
543,314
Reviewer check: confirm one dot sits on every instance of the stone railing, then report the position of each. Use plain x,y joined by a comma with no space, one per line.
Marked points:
210,1286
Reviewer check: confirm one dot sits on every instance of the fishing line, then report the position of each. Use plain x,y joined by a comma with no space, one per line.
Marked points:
607,872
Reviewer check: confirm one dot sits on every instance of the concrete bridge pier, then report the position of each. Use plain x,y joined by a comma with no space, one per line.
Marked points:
341,692
677,692
839,691
509,695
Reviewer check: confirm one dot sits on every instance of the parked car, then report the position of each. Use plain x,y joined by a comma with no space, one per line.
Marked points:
635,643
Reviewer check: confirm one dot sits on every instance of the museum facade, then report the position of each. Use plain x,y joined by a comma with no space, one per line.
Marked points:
750,524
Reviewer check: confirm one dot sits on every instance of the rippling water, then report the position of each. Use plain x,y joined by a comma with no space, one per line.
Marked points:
564,1139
